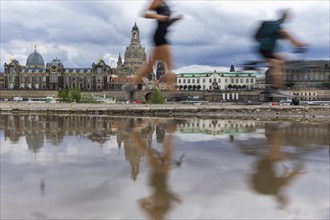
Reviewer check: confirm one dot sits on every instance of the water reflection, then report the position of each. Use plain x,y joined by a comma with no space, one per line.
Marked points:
267,179
162,199
131,168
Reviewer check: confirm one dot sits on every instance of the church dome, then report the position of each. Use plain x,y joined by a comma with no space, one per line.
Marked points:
35,59
56,62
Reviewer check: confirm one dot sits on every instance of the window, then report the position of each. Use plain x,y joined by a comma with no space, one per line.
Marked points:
241,80
210,80
188,80
99,70
193,80
251,80
219,80
246,80
53,78
232,80
226,80
236,80
179,80
184,81
203,80
197,80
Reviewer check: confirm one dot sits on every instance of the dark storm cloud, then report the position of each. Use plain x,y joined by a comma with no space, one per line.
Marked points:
215,38
212,32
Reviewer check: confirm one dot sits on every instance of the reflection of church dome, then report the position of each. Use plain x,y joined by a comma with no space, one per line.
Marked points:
35,141
35,59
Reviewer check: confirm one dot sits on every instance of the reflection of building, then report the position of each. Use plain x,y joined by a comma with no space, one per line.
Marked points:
160,134
218,127
300,138
133,154
38,128
308,136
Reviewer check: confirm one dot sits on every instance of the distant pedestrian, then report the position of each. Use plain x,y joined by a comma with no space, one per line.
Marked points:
267,37
161,12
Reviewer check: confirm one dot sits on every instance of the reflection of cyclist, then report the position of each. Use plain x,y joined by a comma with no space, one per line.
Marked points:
162,49
267,36
264,180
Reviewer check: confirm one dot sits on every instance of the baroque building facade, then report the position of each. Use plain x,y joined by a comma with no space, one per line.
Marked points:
54,75
310,74
135,56
216,80
36,75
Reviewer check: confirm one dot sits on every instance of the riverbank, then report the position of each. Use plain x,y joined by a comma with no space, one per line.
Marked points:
265,112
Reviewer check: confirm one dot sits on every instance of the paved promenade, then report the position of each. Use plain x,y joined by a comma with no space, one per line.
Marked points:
174,110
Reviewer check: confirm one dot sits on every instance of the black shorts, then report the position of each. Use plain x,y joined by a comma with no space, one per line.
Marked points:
268,54
160,38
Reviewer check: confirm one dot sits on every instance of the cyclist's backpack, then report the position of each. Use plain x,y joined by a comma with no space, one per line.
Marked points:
267,29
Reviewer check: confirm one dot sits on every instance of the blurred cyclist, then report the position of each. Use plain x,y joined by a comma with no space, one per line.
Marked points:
267,36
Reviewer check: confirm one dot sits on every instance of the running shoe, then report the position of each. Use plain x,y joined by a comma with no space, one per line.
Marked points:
277,93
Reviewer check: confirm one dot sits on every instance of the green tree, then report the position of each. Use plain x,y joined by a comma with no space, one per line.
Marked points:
69,95
156,97
75,95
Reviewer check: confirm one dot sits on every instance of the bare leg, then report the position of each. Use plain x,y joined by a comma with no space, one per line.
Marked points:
143,71
164,54
276,73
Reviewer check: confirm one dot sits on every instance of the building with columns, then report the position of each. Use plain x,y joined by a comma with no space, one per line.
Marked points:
232,80
307,74
36,75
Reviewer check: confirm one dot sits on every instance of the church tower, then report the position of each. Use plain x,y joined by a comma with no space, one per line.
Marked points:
135,55
119,63
135,35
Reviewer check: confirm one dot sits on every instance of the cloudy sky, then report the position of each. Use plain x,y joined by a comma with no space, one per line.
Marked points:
212,35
